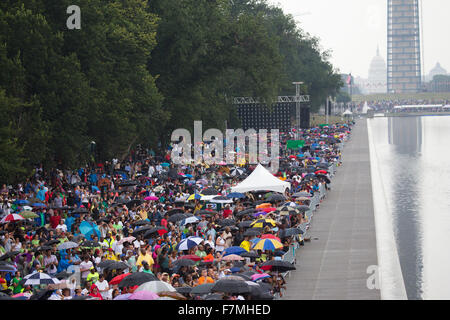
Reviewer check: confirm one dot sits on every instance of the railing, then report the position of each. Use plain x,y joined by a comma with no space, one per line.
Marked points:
290,255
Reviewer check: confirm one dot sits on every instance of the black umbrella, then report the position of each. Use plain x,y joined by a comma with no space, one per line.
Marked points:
276,197
184,263
8,255
245,212
136,279
324,177
104,263
290,232
134,202
213,296
140,223
279,265
128,183
202,289
141,230
184,290
80,210
42,295
302,208
231,286
174,211
226,222
209,192
178,217
51,242
153,231
205,212
252,232
62,275
250,254
116,265
90,244
232,228
43,248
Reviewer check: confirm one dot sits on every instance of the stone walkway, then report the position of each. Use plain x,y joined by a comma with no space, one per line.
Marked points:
333,265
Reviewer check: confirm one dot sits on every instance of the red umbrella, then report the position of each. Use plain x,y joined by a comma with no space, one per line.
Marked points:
12,217
117,279
192,257
269,209
321,172
270,236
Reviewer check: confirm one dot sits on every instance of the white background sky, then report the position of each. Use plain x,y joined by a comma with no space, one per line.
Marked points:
352,29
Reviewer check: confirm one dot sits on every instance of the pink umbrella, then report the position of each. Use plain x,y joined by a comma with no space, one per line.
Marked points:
151,198
143,295
232,257
260,276
123,296
127,239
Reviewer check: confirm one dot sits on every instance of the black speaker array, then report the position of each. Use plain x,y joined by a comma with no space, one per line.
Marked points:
304,117
258,116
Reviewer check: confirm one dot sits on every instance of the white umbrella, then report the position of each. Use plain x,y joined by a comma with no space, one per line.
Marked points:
38,278
67,245
188,243
192,219
156,287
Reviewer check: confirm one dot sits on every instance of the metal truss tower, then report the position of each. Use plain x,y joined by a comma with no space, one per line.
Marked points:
404,72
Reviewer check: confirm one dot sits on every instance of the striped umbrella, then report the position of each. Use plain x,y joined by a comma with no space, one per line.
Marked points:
270,236
28,214
188,243
287,210
267,244
38,278
262,223
195,196
12,217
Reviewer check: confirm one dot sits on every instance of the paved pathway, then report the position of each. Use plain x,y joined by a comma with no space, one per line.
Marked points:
335,265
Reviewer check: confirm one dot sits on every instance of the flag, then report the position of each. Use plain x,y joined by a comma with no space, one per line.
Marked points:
349,79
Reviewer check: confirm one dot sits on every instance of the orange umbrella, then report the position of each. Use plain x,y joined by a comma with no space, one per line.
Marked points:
263,205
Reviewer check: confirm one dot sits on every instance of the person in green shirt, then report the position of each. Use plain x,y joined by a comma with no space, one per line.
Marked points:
93,276
146,267
17,287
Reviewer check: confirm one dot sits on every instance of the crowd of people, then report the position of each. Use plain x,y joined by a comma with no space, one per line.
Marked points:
124,229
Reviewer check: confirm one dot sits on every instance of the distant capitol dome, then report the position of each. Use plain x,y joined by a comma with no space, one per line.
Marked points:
377,75
437,70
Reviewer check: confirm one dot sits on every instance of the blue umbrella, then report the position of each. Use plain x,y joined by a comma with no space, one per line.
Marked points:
88,228
234,250
237,195
188,243
188,175
21,202
165,164
39,205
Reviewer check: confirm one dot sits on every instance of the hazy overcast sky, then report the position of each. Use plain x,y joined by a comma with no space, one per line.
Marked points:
352,29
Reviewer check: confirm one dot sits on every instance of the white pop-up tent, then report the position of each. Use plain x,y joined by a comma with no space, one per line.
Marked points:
261,180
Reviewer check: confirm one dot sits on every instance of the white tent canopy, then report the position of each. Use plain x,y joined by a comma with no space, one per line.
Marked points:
260,180
348,113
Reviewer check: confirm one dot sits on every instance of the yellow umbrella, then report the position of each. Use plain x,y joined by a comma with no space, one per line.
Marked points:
262,223
267,244
195,196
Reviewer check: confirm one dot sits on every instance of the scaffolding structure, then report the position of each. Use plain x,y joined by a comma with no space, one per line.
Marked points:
404,72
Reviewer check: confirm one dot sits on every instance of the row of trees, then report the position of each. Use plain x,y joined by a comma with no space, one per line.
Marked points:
137,70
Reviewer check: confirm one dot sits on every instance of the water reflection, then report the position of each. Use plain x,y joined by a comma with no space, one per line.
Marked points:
405,135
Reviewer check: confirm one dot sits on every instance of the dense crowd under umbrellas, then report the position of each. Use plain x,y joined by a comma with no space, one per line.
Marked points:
145,229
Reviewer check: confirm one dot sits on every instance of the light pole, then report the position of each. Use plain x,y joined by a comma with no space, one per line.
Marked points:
297,107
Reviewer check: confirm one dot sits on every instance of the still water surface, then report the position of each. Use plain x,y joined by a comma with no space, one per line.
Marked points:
413,169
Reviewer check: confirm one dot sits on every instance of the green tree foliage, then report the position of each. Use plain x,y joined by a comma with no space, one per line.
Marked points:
138,69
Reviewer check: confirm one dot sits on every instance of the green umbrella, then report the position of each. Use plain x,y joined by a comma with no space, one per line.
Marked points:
28,214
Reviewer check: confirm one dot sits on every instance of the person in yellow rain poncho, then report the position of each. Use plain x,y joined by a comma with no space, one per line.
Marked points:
110,255
246,244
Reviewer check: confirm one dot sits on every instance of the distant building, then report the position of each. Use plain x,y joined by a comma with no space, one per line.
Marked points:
437,70
377,75
403,44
